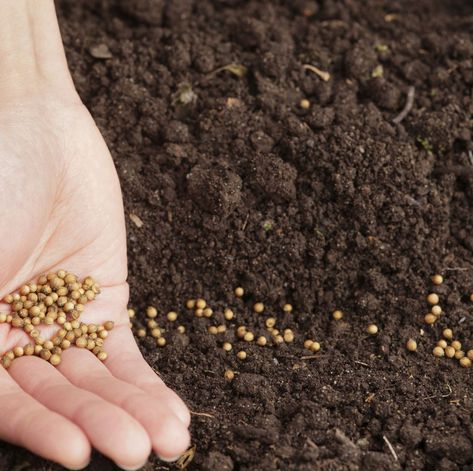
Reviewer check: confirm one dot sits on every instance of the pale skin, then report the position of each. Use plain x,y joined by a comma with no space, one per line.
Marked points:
61,207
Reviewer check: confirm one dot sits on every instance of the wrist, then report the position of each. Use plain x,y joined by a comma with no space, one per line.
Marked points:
32,57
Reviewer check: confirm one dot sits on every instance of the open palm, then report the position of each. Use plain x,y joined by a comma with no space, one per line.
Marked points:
60,207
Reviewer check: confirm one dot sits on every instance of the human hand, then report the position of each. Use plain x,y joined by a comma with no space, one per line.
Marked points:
60,207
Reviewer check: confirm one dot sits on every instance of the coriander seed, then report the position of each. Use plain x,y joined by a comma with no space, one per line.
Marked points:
229,375
228,314
161,342
437,279
241,355
261,341
287,308
449,351
239,292
315,346
151,312
258,308
436,310
430,319
248,337
411,345
448,333
337,315
438,352
227,346
433,298
442,343
171,316
372,329
465,362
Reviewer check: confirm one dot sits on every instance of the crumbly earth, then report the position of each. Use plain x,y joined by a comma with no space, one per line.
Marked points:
332,207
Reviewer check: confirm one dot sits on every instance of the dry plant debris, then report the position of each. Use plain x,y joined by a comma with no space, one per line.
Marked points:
55,299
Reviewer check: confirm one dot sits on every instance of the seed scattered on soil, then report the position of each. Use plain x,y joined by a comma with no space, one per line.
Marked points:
270,322
181,329
448,334
229,375
442,343
151,312
433,298
261,341
200,304
171,316
437,279
228,314
248,337
372,329
239,292
190,303
258,308
315,347
241,355
438,352
411,345
449,351
337,315
465,362
304,104
287,308
227,346
430,318
456,345
436,310
161,342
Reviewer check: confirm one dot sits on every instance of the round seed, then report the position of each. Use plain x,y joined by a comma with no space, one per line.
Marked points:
337,315
248,337
288,336
459,354
430,319
469,354
18,352
171,316
308,343
241,331
141,333
448,333
241,355
151,312
258,308
156,333
436,310
221,329
437,279
315,346
181,329
433,298
55,359
212,330
228,314
442,344
449,352
261,341
270,322
456,345
208,312
3,317
304,104
239,292
109,325
227,346
411,345
200,304
190,304
229,375
81,342
28,349
161,342
102,356
287,308
199,313
372,329
131,313
438,352
465,362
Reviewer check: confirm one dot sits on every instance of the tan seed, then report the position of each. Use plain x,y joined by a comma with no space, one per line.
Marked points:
411,345
55,359
241,355
436,310
287,308
228,314
239,292
212,330
315,346
456,345
459,354
304,104
208,312
258,308
102,356
437,279
151,312
261,341
337,315
171,316
372,329
433,298
131,313
442,343
190,304
181,329
227,346
18,352
308,343
270,322
448,333
430,319
465,362
200,304
248,337
229,375
449,352
438,352
161,342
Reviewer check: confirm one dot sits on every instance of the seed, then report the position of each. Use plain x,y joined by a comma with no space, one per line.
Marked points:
18,352
156,333
258,308
228,314
288,336
270,322
81,342
442,344
55,359
448,333
212,330
109,325
151,312
372,329
181,329
279,339
433,298
141,333
227,346
274,332
102,356
430,319
261,341
287,308
190,304
449,352
161,342
437,279
456,345
28,349
241,331
208,312
241,355
315,346
200,304
308,343
3,317
239,292
221,329
248,337
45,354
471,297
37,349
229,375
465,362
438,352
65,344
469,354
436,310
411,345
171,316
48,345
131,313
459,354
6,362
304,104
152,324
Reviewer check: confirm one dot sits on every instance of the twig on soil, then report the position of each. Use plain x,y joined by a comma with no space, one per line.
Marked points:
203,414
391,449
361,363
450,392
245,223
456,269
311,357
407,107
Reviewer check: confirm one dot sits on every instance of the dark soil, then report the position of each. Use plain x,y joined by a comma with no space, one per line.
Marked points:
331,207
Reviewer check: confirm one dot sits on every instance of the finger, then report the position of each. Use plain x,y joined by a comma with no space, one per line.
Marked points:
109,428
169,436
27,423
126,362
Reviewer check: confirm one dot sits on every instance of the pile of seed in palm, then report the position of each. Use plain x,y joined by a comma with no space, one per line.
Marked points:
54,299
275,335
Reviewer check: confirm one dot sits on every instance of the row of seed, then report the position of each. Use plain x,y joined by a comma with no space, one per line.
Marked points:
56,298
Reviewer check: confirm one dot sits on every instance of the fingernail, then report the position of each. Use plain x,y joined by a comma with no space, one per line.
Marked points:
77,468
131,468
169,460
